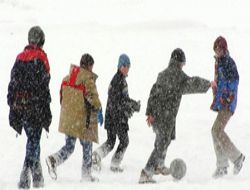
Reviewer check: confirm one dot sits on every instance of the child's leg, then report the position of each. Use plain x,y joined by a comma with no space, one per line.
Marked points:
32,157
36,171
65,152
221,158
24,182
87,157
224,148
87,161
108,146
157,157
59,157
121,149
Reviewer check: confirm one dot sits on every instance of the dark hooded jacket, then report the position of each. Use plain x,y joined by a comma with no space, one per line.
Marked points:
166,93
28,91
118,109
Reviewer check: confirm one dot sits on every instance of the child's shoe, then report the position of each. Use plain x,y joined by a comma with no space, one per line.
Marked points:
162,170
116,169
238,164
144,178
220,172
51,163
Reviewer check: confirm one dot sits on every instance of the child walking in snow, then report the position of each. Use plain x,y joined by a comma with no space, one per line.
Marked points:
29,100
80,111
225,87
162,108
120,107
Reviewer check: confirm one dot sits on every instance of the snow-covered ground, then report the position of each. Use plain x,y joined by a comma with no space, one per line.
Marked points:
147,31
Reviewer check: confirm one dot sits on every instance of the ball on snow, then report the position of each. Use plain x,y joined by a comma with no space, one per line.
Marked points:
178,168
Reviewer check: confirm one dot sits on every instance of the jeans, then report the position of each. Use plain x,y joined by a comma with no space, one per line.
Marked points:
33,144
65,152
32,163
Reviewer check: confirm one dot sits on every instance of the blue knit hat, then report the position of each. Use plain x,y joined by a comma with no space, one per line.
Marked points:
123,61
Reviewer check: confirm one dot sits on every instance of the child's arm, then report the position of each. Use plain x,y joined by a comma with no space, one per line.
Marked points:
91,94
196,85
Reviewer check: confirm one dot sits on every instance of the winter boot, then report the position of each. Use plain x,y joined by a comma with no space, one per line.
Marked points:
238,164
37,175
96,161
145,178
87,177
116,169
220,172
51,163
24,182
162,170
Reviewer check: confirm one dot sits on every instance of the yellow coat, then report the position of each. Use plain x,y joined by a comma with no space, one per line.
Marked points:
73,114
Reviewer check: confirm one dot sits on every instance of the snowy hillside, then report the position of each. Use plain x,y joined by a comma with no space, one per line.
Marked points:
147,31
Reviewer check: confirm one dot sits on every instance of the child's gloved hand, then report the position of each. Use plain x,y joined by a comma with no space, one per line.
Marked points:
227,98
136,105
100,117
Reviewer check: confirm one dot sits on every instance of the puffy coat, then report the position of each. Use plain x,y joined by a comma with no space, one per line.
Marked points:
28,91
79,105
227,79
166,93
118,109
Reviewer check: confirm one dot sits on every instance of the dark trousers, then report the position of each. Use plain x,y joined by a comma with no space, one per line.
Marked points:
33,144
108,146
158,155
32,158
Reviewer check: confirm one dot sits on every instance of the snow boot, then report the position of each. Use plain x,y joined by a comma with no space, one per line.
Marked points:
25,178
238,164
51,163
116,169
96,161
87,176
145,178
162,170
220,172
37,175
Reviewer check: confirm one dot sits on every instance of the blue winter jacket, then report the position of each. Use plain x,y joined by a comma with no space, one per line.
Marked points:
227,79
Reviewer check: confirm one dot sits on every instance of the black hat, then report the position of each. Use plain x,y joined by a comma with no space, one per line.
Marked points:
178,55
36,36
86,59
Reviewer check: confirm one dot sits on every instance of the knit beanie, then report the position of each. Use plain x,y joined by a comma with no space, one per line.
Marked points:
123,61
178,55
36,36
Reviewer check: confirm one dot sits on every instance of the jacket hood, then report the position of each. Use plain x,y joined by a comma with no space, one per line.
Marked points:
174,63
92,74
